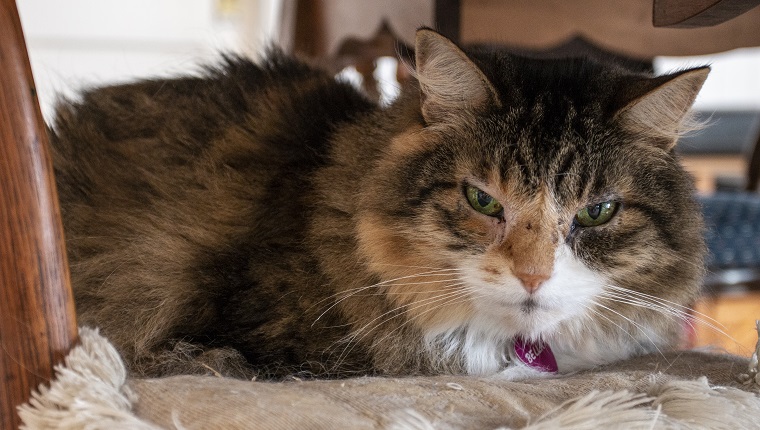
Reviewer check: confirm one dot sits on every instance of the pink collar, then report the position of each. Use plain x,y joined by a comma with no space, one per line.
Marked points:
536,355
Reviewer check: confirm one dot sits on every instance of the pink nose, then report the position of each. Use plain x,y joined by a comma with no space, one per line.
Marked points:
531,281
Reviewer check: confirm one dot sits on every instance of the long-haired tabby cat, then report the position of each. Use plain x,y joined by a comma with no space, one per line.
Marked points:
268,219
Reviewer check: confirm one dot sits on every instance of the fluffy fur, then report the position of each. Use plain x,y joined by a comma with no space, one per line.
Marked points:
269,220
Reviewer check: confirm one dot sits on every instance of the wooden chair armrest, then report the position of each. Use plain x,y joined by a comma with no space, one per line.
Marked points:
37,317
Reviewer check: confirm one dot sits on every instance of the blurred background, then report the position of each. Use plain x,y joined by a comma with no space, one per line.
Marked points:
76,44
79,43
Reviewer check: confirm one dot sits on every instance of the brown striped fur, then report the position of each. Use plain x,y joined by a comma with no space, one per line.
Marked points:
269,220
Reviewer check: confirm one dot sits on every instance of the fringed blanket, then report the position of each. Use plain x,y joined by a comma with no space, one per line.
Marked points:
671,391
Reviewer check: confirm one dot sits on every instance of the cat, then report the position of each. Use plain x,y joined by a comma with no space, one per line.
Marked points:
267,220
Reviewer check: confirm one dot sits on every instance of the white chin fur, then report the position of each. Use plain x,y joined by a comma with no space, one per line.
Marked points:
560,317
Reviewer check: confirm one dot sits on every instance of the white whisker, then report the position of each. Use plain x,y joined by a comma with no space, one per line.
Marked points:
600,314
635,324
354,338
348,293
658,299
683,313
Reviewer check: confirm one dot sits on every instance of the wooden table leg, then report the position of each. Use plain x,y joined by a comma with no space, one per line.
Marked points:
37,317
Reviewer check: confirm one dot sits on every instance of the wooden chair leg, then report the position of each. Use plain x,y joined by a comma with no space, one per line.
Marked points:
37,317
753,167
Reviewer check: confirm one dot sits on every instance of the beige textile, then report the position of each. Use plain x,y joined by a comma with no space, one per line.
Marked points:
675,390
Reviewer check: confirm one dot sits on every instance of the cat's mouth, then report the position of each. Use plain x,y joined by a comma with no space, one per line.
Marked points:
530,305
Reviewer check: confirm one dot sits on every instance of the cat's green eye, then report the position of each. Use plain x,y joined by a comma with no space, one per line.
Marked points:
598,214
482,201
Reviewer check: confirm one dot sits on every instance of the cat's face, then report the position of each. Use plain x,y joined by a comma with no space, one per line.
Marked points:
539,211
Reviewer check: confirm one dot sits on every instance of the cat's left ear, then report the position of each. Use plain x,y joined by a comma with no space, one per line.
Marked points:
661,111
449,81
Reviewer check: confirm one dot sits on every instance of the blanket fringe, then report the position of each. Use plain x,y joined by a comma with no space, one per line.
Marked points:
600,409
673,405
88,392
753,371
695,404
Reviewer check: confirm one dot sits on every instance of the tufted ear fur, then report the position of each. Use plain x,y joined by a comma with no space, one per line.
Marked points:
449,81
662,111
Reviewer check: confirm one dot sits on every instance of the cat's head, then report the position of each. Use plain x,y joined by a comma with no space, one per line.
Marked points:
539,198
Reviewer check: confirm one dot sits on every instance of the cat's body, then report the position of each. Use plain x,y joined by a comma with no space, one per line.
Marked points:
273,211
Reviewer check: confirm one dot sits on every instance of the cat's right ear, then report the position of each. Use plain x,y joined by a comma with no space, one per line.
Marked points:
661,109
450,83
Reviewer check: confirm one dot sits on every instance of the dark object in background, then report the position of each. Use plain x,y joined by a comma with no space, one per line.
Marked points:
733,240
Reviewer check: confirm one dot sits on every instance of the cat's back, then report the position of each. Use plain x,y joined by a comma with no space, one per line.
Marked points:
236,113
167,188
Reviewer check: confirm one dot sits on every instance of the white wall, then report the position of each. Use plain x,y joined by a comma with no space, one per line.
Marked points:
79,43
733,84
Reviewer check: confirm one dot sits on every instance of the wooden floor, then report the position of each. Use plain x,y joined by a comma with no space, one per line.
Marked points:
733,313
706,169
736,314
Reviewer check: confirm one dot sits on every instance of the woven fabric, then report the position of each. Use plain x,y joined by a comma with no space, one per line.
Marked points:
443,401
678,390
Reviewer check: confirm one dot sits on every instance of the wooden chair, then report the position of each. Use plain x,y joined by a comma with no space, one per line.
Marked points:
37,316
37,322
338,32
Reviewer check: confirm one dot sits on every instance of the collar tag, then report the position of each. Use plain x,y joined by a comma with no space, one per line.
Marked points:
536,355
